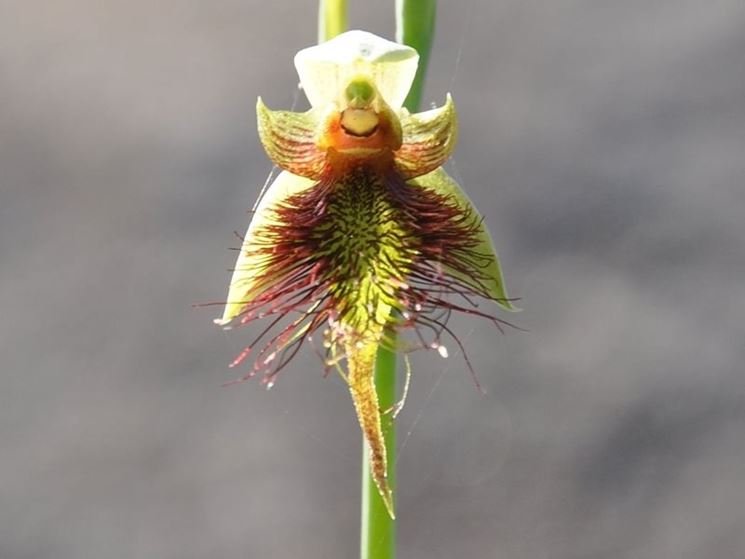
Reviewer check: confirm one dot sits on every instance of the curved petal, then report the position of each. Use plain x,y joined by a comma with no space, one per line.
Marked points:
441,183
428,140
325,70
250,263
290,140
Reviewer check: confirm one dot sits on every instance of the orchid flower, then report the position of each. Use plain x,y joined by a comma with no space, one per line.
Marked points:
362,233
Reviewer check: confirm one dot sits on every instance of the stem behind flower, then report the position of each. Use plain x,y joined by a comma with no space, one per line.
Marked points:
415,27
332,19
415,22
378,529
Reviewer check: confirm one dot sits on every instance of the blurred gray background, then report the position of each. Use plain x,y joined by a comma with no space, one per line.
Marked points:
604,142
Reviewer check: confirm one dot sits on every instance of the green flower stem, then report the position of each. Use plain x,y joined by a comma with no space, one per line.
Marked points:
415,27
415,23
332,19
378,529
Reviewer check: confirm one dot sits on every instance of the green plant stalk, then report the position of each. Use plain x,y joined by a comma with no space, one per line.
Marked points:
378,529
415,27
415,22
332,19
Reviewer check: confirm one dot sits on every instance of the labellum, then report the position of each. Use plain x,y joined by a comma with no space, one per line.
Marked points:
362,233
